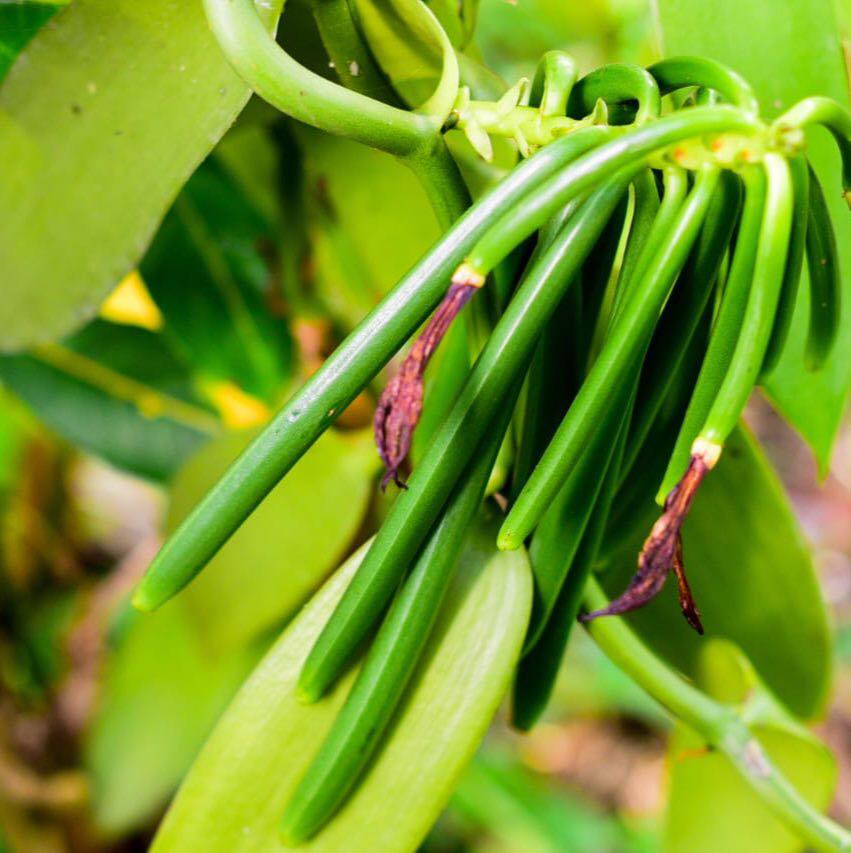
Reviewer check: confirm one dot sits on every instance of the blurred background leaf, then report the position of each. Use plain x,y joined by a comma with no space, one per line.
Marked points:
116,391
288,545
208,276
710,807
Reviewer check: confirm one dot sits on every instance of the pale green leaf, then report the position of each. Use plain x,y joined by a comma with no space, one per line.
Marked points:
710,806
161,694
234,796
103,117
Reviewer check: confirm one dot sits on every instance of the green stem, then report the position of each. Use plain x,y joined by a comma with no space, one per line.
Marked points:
720,725
297,91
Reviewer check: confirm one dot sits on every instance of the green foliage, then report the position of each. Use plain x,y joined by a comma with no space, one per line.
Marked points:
19,22
102,120
117,391
207,274
162,692
709,806
234,795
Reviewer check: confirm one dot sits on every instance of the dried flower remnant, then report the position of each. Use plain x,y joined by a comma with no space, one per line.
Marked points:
401,402
663,549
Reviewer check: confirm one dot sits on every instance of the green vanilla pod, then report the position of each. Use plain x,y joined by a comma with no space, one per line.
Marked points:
752,343
675,184
682,314
539,667
825,280
500,363
644,210
312,409
393,655
663,551
794,263
725,329
624,344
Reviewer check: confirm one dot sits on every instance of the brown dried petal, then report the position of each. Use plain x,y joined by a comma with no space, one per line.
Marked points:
401,402
662,553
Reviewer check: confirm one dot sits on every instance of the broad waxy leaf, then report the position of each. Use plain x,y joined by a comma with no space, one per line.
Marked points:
234,796
118,392
161,695
287,545
752,577
787,51
710,806
103,117
206,272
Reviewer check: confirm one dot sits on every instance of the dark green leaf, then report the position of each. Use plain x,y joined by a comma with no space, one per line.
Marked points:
207,272
116,391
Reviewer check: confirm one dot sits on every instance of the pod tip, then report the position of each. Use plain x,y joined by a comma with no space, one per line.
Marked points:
289,832
142,602
305,694
507,541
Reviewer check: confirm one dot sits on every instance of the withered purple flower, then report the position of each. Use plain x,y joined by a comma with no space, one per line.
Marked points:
401,402
663,552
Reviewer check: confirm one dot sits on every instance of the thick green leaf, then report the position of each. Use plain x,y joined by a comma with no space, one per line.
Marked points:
19,22
787,51
750,572
118,392
161,695
233,798
288,544
710,806
207,274
104,115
